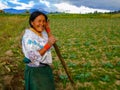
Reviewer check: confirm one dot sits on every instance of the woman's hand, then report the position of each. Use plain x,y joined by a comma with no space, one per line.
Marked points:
51,40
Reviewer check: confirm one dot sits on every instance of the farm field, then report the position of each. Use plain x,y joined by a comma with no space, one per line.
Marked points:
90,46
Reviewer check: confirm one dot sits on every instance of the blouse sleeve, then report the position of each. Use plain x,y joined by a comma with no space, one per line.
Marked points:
30,49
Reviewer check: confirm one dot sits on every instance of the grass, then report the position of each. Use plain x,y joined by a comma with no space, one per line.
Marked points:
90,46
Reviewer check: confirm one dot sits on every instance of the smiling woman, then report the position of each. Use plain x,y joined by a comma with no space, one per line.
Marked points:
36,46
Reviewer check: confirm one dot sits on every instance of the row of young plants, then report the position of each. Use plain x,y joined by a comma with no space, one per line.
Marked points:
90,48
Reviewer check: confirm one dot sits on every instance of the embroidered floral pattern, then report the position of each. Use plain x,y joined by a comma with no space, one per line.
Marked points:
31,43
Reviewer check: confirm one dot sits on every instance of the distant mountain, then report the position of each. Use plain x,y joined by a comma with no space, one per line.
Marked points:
15,11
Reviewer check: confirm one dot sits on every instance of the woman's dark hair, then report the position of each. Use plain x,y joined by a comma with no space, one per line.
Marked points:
34,15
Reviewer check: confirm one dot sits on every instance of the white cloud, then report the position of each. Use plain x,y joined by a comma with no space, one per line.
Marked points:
45,2
14,1
101,4
22,5
3,5
68,8
64,7
47,5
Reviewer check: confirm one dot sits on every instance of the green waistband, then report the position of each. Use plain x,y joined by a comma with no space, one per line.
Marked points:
26,60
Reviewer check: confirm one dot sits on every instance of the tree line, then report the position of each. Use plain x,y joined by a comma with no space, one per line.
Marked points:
27,11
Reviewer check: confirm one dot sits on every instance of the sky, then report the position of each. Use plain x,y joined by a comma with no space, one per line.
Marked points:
69,6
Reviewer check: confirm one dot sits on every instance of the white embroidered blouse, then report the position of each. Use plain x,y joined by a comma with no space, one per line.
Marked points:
31,43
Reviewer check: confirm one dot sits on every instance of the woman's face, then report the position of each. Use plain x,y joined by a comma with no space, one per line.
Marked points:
39,23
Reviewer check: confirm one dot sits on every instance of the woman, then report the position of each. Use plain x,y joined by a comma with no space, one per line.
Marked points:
36,44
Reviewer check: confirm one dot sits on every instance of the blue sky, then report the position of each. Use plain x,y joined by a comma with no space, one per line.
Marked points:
71,6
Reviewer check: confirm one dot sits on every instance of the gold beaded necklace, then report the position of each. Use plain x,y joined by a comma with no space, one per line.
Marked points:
39,34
